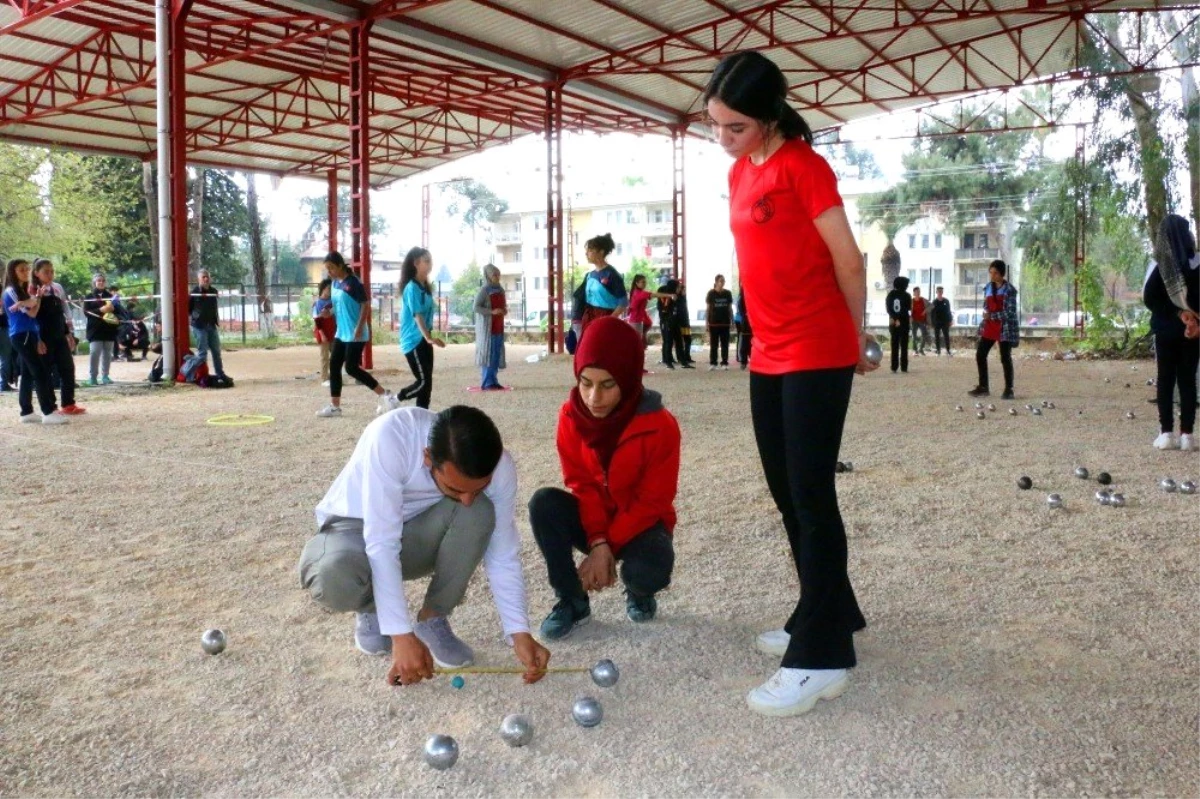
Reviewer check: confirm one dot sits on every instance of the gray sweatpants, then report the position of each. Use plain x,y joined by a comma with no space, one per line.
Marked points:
447,541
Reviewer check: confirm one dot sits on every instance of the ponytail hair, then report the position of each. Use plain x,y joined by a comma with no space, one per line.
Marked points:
603,244
751,84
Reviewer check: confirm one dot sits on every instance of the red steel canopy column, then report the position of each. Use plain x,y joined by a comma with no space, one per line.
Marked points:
557,324
360,160
177,178
331,199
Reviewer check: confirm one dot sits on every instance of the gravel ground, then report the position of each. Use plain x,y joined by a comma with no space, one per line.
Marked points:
1011,649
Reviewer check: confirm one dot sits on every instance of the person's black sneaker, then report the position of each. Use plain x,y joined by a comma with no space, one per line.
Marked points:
1008,394
978,391
640,608
565,617
688,366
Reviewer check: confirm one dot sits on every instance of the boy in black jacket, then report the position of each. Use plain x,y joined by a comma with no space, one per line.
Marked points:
899,304
941,316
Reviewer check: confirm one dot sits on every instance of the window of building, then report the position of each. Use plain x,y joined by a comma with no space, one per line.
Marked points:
631,216
912,241
620,248
925,241
537,283
516,258
983,241
539,221
658,216
937,241
968,241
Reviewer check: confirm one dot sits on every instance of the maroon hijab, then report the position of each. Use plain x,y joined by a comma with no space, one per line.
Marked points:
615,347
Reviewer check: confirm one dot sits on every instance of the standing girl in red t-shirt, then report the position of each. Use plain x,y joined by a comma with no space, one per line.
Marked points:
636,315
1001,323
805,287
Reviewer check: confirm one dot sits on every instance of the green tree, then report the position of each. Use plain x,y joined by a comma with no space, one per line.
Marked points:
463,291
317,211
475,204
226,227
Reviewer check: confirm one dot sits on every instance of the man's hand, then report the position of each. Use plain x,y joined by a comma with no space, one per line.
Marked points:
411,661
532,655
599,569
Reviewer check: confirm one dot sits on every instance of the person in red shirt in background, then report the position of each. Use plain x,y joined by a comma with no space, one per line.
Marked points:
491,306
635,315
805,287
619,450
920,320
1000,324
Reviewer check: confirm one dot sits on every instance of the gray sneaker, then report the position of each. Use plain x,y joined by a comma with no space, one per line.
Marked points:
367,637
448,650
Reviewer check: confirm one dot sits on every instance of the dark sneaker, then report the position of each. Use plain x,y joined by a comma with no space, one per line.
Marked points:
448,650
1008,394
978,391
565,617
640,608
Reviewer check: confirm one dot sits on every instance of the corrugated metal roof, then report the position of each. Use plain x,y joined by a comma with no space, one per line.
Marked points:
268,79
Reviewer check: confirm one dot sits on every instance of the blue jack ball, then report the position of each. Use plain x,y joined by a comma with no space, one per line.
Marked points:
458,682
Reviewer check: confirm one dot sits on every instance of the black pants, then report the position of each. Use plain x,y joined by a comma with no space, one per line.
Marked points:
1177,357
718,335
900,348
941,331
34,375
981,353
8,358
745,340
798,420
646,561
348,354
420,360
668,343
59,358
683,345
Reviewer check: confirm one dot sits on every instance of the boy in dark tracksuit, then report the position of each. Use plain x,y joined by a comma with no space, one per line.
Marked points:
745,332
941,317
899,304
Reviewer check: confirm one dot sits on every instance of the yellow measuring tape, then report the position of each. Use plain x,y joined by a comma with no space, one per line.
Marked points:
240,419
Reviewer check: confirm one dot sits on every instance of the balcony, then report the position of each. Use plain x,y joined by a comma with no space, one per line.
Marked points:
977,254
507,236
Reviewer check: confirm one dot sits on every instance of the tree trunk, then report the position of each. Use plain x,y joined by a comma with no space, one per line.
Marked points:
258,262
1184,50
890,259
150,189
196,223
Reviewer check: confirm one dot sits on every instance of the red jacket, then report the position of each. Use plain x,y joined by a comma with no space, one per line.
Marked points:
639,489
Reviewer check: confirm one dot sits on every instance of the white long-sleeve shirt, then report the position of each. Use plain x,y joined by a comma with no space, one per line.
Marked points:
386,483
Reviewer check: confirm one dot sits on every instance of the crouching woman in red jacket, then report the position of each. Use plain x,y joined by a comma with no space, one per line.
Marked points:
619,449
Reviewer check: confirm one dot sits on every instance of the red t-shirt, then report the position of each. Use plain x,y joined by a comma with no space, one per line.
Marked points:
918,309
801,320
992,304
497,300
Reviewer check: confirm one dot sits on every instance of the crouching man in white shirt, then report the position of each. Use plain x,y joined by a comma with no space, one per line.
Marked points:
424,495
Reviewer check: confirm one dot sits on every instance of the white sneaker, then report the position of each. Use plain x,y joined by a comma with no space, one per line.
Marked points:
30,418
1187,442
55,418
773,642
712,368
387,402
1166,441
325,383
791,692
329,411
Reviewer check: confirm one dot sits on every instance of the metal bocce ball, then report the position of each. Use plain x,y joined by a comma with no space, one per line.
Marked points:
1103,497
605,673
849,466
1037,411
1081,472
873,352
213,642
1187,487
1168,485
1054,501
516,730
980,415
1012,411
587,712
1116,501
1129,415
991,406
979,406
1104,478
839,467
958,408
1024,483
441,751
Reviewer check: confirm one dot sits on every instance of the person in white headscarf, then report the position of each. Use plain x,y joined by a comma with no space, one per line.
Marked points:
491,307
